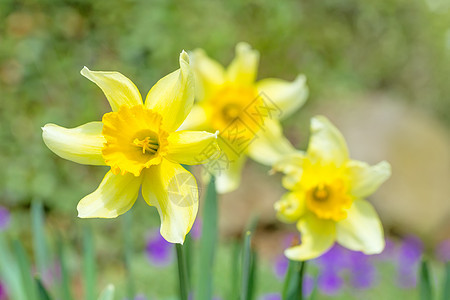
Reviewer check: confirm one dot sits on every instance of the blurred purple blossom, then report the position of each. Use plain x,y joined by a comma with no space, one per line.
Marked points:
280,266
196,231
3,295
362,270
308,285
5,218
270,296
443,251
158,250
409,255
329,282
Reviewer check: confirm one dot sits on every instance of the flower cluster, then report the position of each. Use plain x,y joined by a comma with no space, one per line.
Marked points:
145,142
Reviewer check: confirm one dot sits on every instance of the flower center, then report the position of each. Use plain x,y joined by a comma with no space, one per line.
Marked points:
234,112
149,145
134,139
329,200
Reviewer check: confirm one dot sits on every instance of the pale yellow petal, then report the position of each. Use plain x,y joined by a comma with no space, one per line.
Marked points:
326,144
196,120
173,191
209,74
270,145
244,67
366,179
118,89
82,144
192,147
362,229
317,236
291,165
173,95
291,207
228,171
287,96
115,195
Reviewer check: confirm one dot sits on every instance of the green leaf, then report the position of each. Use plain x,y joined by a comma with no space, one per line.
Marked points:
42,292
39,241
446,290
29,284
293,283
208,243
425,288
89,266
107,293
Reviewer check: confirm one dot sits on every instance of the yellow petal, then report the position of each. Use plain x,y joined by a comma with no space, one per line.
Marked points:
317,236
173,191
82,144
366,179
173,95
196,120
291,207
244,67
269,144
361,230
326,144
209,74
118,89
115,195
192,147
291,165
287,96
228,172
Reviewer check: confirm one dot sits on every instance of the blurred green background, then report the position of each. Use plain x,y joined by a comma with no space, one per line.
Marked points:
345,48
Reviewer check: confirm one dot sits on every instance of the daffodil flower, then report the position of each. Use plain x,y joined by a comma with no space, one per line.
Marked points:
245,112
326,197
141,144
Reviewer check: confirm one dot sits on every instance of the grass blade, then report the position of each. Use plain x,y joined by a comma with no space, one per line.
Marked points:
39,241
293,284
107,293
42,292
10,271
29,285
89,266
246,267
208,243
65,277
425,288
182,273
446,290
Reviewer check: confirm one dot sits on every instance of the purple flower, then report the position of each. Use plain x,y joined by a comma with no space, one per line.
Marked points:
196,231
410,253
4,218
3,295
270,296
443,251
280,266
362,271
158,250
329,282
389,251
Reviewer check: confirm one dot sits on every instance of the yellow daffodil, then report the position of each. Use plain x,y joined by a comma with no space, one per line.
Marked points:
326,198
140,143
246,113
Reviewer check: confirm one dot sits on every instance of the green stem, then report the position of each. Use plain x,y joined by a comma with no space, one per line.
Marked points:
293,285
182,272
